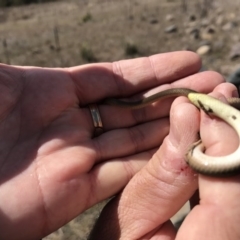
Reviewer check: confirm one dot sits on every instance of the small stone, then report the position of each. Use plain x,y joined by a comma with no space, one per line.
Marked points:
203,50
219,20
154,21
206,36
210,30
205,22
228,26
204,42
192,18
171,29
194,32
231,16
235,51
169,18
191,24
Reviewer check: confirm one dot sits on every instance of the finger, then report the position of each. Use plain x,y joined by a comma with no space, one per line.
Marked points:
219,128
219,197
107,145
112,116
95,82
226,89
129,141
81,156
72,176
149,200
110,177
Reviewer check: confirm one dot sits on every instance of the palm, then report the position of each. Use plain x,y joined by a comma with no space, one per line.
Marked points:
45,145
51,167
49,161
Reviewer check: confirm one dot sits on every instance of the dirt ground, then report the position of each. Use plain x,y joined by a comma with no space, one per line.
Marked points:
110,30
69,33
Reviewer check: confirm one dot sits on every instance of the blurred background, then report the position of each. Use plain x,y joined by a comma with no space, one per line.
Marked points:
74,32
67,33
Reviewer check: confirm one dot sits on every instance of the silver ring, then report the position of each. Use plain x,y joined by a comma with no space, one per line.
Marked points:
97,121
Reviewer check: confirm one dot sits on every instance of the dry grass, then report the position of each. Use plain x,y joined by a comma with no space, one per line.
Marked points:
68,33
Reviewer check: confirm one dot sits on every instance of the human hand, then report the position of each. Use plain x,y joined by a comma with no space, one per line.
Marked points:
160,189
51,167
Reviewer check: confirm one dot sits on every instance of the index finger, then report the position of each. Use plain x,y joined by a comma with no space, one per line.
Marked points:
123,78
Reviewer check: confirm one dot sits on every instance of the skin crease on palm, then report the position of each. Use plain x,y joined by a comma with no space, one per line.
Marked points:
51,167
